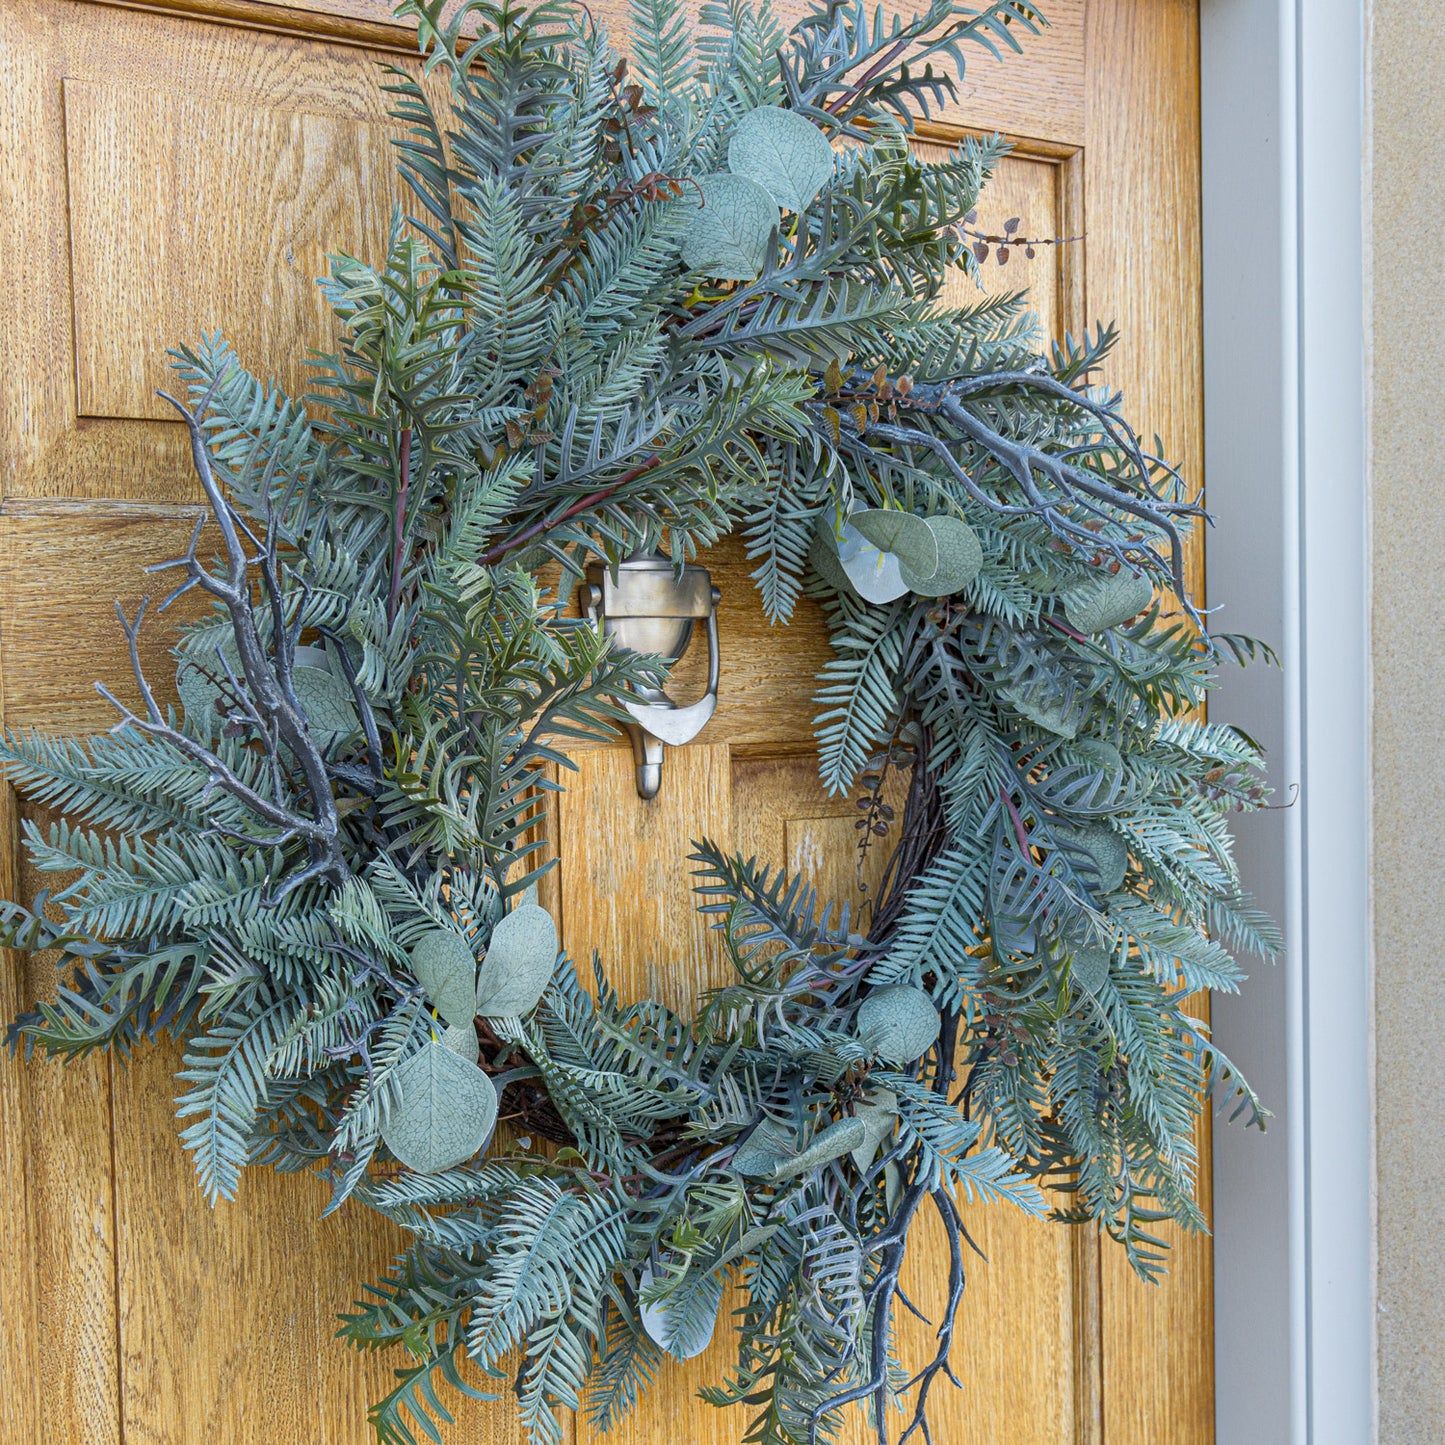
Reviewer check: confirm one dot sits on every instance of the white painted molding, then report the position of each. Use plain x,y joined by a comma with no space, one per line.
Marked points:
1285,424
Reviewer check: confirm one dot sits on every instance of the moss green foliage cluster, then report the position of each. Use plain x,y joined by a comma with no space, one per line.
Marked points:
638,306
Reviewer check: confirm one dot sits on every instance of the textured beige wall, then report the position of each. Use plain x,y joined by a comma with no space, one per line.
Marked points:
1408,481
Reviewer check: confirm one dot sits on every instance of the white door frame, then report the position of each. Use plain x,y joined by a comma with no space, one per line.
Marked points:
1285,318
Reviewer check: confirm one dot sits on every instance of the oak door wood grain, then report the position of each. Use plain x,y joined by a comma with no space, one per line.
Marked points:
129,1311
1143,270
191,216
58,1309
282,99
228,1315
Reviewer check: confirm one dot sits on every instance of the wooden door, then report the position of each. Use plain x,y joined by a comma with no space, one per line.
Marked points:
178,165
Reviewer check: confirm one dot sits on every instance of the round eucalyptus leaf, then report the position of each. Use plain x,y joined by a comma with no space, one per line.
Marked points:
445,1111
326,700
199,696
787,155
907,536
898,1023
960,559
727,236
1109,602
879,1113
872,573
839,1138
1090,969
763,1150
823,554
1053,717
1099,753
308,656
1107,852
197,677
462,1039
519,963
665,1329
324,695
442,962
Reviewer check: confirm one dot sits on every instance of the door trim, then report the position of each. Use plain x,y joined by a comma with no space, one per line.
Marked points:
1285,198
328,21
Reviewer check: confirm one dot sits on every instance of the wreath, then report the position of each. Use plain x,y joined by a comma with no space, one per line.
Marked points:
642,303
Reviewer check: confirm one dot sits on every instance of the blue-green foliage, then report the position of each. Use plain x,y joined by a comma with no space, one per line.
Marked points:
530,379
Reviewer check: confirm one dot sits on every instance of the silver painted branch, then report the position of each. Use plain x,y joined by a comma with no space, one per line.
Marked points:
1051,485
270,697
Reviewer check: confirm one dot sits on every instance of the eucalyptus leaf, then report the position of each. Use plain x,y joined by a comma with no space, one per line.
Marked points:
787,155
872,573
1109,602
1054,717
325,696
666,1328
907,536
898,1023
520,959
326,700
879,1113
1106,851
462,1039
1099,752
823,554
1090,969
960,559
445,1111
839,1138
728,235
309,656
763,1150
199,692
444,965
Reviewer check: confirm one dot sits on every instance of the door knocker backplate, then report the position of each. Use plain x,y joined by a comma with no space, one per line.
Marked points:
647,607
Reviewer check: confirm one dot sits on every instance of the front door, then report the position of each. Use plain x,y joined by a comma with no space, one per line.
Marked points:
182,165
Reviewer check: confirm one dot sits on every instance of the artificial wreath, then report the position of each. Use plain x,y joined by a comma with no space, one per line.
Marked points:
643,303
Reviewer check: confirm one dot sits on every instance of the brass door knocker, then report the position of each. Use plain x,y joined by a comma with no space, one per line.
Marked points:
648,608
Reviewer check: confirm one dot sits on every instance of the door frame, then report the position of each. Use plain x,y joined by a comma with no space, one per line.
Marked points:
1286,291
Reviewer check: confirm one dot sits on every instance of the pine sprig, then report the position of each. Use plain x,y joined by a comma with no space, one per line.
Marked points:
314,867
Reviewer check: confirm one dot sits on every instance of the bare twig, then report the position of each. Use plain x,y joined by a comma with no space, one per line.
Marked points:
1053,487
941,1361
268,697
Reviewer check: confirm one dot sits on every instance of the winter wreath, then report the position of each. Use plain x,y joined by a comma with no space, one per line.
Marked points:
643,303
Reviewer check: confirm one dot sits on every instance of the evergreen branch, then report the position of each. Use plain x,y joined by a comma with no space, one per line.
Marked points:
576,509
307,873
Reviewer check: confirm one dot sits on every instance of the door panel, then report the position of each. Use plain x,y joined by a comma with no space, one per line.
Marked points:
625,890
149,171
58,1333
623,886
156,171
178,165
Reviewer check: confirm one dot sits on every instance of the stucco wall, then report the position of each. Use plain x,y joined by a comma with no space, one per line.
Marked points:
1407,314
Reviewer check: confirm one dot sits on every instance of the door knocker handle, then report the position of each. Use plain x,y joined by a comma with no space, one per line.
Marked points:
648,608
